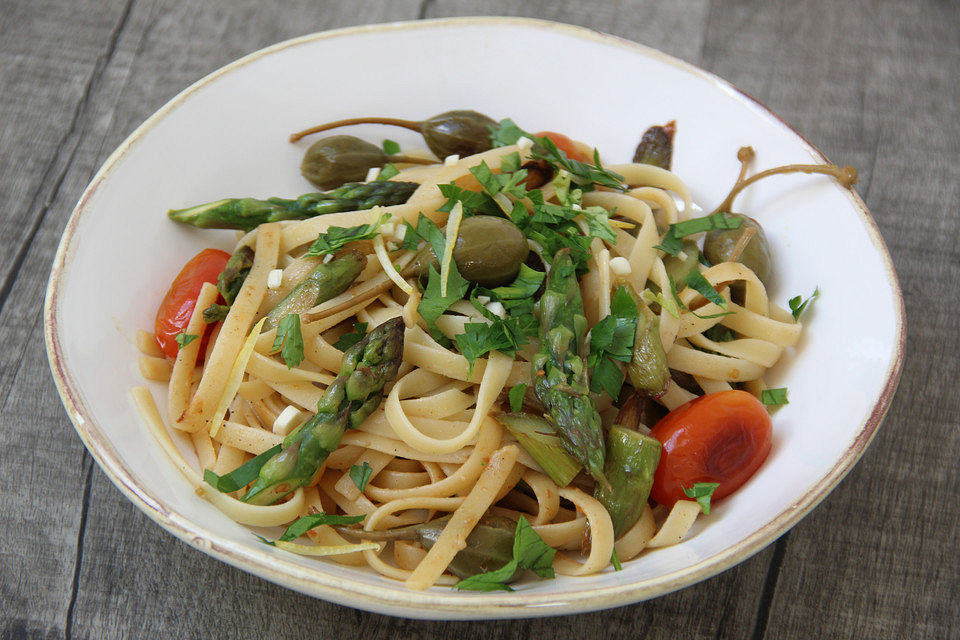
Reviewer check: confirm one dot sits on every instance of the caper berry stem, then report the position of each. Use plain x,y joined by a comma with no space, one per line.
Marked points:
412,160
742,242
846,176
398,122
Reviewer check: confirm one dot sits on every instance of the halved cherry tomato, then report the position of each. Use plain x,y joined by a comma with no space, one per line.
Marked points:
565,144
722,437
174,313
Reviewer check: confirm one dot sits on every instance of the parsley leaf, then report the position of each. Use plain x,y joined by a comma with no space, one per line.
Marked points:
701,492
429,231
432,304
612,339
491,580
671,242
797,307
774,397
387,172
336,237
242,475
390,147
183,339
507,133
360,474
411,240
473,201
306,523
505,335
289,340
615,560
518,296
598,221
351,338
701,285
517,392
529,552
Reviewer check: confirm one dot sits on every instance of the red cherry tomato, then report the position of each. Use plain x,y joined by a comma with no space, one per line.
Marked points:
565,144
177,306
722,437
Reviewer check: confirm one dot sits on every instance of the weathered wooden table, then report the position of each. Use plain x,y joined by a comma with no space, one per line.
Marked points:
874,84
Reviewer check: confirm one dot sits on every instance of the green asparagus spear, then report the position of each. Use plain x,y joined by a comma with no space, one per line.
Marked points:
229,282
489,546
539,437
560,373
656,146
246,214
632,459
325,281
648,366
366,367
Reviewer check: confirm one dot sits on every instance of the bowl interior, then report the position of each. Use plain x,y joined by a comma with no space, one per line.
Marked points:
226,136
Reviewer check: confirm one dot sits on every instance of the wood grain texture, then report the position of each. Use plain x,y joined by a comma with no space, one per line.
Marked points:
872,83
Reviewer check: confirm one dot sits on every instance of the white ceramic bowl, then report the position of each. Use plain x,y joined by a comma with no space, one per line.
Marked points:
226,136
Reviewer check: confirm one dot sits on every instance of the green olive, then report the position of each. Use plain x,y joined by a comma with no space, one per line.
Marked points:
679,268
719,246
460,132
490,250
330,162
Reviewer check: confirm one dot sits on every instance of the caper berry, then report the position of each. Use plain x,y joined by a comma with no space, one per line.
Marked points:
490,250
461,132
719,246
330,162
679,268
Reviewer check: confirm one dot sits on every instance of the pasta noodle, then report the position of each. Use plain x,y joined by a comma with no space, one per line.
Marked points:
436,447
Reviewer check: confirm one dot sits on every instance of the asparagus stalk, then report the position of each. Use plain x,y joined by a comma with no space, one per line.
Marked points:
246,214
325,281
488,547
648,369
539,437
656,146
366,367
229,282
560,373
632,459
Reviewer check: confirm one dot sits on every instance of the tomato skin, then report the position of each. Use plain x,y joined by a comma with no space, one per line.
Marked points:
565,144
174,313
721,437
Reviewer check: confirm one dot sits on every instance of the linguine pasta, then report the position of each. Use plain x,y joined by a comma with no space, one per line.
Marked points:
434,446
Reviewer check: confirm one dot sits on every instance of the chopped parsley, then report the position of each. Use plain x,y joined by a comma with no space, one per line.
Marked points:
615,561
183,339
289,340
242,475
611,341
672,243
336,237
305,523
351,338
774,397
516,394
529,552
387,172
360,474
702,492
390,147
797,307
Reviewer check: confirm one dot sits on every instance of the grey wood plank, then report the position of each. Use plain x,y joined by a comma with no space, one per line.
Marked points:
675,27
46,79
876,86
